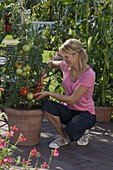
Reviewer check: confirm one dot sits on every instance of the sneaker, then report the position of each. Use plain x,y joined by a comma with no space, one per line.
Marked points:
60,141
84,140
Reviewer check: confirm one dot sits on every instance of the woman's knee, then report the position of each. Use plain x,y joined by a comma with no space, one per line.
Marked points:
76,128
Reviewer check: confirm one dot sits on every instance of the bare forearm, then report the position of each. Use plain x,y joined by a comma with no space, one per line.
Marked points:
62,98
72,99
54,64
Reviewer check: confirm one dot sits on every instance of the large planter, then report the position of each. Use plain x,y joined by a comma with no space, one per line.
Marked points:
28,122
103,114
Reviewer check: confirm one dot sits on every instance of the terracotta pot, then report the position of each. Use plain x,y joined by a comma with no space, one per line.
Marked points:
28,122
103,114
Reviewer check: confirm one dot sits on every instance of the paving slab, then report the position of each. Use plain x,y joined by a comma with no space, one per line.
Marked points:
97,155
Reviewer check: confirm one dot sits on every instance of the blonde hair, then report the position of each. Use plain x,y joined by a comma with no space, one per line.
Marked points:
72,46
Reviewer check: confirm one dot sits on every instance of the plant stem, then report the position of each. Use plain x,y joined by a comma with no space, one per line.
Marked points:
49,163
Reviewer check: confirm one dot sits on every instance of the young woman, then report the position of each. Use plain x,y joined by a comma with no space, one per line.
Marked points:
76,107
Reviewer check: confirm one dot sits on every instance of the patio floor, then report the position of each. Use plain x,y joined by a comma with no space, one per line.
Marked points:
97,155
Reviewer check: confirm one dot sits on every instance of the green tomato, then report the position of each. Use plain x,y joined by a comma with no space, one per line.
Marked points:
25,68
24,74
19,72
26,48
21,52
30,96
28,67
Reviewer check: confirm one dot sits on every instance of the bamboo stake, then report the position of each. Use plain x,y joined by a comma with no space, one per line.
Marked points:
21,18
21,13
87,24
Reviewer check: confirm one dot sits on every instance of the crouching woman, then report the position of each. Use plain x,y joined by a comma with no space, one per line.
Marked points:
76,107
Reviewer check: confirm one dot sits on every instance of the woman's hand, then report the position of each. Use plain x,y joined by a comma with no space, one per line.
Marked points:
41,95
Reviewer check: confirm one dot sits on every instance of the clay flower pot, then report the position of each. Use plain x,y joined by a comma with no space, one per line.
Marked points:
28,122
103,114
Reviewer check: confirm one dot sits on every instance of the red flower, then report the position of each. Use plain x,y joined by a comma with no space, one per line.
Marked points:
2,140
45,165
33,152
9,134
2,143
25,162
55,153
7,160
22,138
14,128
4,161
10,160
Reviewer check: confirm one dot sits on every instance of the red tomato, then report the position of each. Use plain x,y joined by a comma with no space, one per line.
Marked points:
24,91
38,90
7,27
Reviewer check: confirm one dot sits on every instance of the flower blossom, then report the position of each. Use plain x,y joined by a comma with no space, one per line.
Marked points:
25,162
2,143
33,152
45,165
55,153
9,134
14,128
22,138
7,160
58,57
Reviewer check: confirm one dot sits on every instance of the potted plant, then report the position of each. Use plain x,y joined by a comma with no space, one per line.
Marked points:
21,79
102,49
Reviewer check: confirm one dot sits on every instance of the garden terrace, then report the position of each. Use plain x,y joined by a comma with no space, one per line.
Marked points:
98,155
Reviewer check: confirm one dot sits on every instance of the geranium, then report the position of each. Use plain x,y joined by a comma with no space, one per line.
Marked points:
22,138
56,153
33,152
7,149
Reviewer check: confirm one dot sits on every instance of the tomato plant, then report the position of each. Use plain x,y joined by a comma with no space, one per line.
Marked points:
24,91
24,63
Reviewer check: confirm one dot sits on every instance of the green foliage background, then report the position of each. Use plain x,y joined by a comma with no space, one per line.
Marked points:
88,20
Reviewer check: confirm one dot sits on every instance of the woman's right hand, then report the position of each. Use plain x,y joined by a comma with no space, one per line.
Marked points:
41,95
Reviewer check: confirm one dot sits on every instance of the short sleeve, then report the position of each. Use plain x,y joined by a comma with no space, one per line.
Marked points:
63,66
88,79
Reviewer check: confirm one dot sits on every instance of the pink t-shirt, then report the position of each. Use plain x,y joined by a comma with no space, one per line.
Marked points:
87,79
